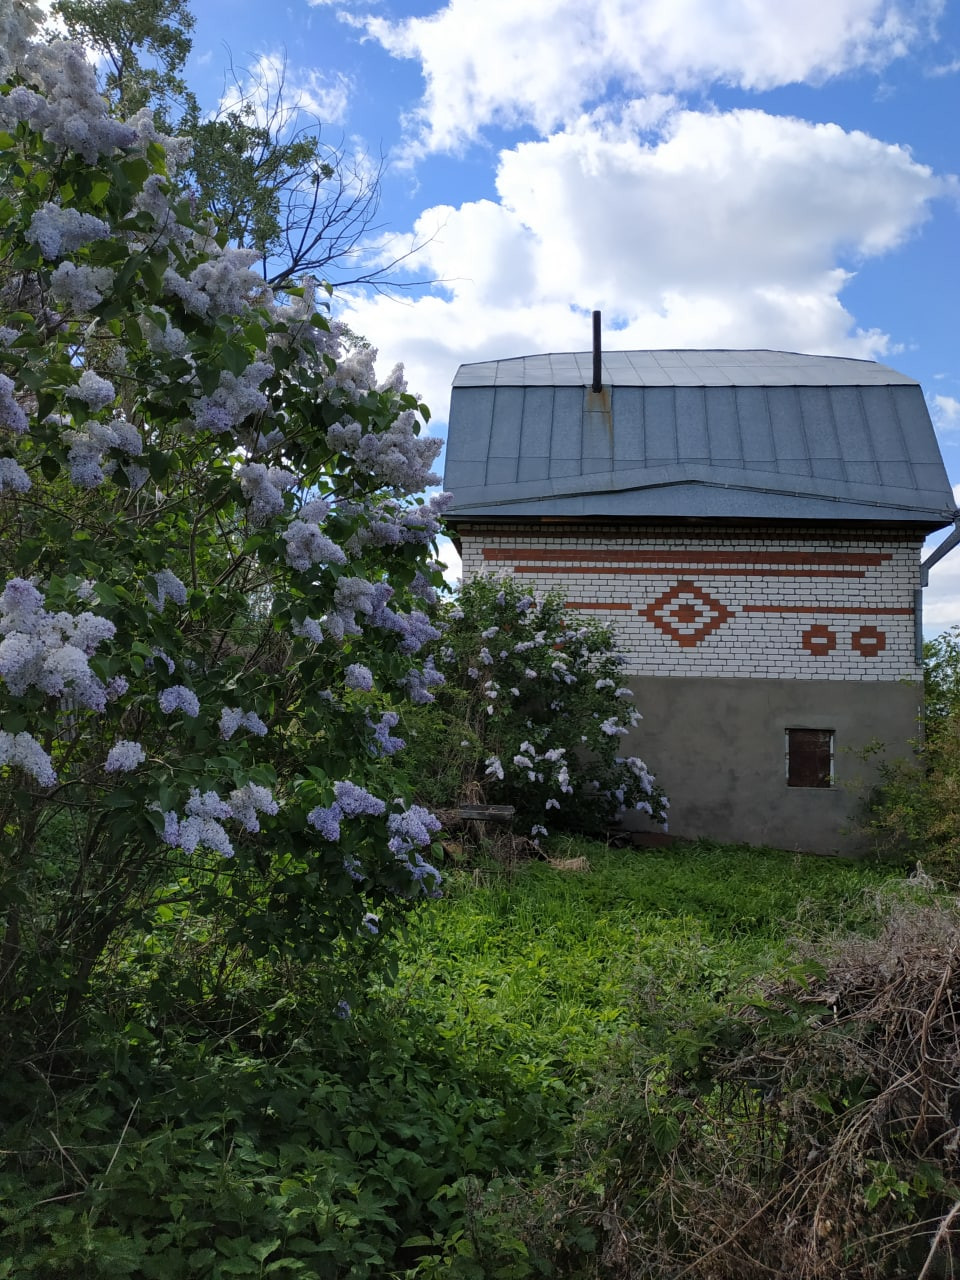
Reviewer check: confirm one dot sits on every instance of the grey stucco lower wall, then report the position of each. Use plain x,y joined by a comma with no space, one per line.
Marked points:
717,747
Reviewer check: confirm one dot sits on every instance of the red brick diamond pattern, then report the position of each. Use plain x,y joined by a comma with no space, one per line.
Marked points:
687,614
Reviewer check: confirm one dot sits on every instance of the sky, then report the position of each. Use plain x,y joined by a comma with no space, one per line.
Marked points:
707,173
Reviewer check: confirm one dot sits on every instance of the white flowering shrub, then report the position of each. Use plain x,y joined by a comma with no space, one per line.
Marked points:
531,711
212,571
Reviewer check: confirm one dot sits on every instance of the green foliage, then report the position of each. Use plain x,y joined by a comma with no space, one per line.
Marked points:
914,814
796,1124
259,166
241,171
941,676
200,1160
143,46
149,588
531,715
533,968
422,1137
390,1144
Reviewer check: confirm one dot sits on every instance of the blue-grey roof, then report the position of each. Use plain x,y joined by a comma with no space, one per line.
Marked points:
721,434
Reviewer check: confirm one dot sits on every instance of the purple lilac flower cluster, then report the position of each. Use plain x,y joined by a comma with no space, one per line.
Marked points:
384,743
233,718
412,830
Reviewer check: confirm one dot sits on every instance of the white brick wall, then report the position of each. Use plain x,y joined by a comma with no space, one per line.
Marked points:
838,606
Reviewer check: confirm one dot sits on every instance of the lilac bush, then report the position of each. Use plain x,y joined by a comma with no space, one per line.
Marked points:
532,712
213,567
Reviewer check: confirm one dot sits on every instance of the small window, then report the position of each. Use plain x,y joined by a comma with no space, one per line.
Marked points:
809,757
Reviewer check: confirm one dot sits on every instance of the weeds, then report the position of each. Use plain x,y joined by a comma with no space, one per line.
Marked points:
803,1128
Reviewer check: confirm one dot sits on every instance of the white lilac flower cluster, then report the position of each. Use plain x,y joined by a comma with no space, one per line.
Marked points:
494,767
57,231
612,726
80,288
561,671
50,651
88,447
646,781
69,111
538,765
233,718
21,751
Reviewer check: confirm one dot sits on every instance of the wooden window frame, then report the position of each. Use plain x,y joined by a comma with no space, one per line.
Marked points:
820,761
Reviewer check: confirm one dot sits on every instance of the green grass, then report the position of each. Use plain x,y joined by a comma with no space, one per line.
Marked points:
366,1152
534,969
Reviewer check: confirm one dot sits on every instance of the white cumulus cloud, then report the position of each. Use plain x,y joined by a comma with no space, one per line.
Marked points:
945,411
539,62
278,91
737,229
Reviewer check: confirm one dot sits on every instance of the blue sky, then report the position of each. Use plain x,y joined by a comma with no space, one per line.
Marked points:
714,173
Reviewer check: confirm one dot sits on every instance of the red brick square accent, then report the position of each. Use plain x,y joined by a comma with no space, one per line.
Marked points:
868,641
819,640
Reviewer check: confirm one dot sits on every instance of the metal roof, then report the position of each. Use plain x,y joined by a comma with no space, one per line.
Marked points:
721,434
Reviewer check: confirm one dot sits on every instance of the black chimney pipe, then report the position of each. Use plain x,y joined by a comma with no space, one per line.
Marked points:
597,383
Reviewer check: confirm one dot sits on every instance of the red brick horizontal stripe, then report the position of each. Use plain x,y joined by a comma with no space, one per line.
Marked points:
576,555
595,604
691,572
825,608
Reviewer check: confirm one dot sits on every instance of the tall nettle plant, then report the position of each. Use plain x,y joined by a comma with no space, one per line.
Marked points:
212,571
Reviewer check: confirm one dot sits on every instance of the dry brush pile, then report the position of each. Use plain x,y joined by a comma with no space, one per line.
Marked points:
810,1131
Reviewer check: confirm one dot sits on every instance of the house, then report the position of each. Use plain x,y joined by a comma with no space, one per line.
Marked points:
752,522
